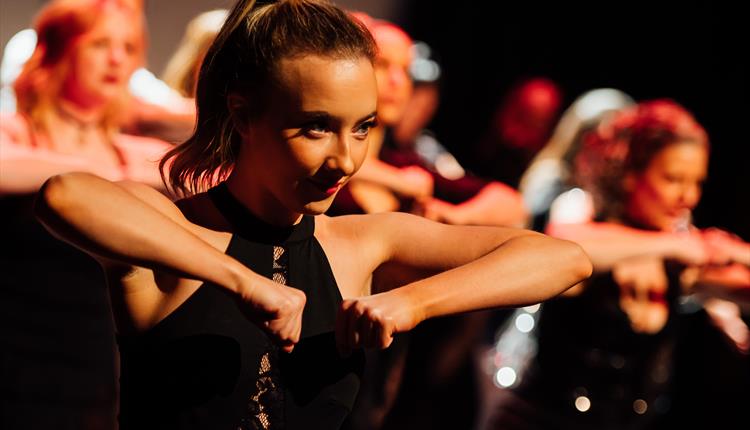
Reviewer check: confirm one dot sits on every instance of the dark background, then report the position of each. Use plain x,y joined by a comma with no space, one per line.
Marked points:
694,53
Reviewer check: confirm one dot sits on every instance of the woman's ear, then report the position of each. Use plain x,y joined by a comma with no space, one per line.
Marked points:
239,112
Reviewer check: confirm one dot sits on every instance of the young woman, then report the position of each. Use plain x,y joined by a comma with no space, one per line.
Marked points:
608,349
239,307
58,349
72,97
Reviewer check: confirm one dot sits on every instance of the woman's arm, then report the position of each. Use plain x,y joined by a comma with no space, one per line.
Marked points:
482,267
731,282
726,248
131,224
128,224
411,181
23,168
609,243
485,267
496,204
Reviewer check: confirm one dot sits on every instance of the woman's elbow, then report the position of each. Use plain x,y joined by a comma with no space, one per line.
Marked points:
56,196
581,266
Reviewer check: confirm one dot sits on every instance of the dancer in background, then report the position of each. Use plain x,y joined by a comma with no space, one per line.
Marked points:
520,127
58,349
550,172
394,177
608,350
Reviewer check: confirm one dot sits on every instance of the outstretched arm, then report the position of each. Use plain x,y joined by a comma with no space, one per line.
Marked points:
609,243
23,169
484,267
411,181
730,278
731,282
481,268
496,204
134,226
127,223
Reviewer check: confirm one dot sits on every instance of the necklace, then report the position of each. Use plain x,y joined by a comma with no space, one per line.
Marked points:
82,127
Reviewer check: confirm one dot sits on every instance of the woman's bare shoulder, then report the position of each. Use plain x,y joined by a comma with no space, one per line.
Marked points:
372,233
363,225
195,213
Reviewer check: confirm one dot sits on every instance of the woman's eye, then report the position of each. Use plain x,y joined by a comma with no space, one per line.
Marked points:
364,129
130,48
100,43
315,129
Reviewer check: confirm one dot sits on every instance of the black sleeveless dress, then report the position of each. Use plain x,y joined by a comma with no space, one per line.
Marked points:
206,366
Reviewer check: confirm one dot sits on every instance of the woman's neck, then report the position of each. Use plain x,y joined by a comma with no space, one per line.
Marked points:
260,202
84,116
632,219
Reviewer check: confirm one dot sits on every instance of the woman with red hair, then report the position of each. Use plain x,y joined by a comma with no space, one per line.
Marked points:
58,349
607,350
72,97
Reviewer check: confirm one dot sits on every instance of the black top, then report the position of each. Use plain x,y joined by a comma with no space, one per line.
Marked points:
207,366
454,191
587,348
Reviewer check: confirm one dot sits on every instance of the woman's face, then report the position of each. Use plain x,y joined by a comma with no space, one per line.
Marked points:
392,72
104,58
663,194
313,134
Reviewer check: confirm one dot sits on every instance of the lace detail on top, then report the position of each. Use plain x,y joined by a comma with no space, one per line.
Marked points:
280,265
265,406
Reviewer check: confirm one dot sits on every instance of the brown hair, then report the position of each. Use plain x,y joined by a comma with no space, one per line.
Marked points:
627,143
59,25
241,60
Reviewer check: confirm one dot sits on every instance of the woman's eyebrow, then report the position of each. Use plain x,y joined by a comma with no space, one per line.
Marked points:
371,115
323,115
315,114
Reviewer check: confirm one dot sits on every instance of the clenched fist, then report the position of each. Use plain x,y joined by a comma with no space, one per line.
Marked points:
276,309
371,321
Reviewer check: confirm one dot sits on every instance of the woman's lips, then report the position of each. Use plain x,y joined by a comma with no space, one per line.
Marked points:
328,187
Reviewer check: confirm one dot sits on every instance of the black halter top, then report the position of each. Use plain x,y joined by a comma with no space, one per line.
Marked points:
206,366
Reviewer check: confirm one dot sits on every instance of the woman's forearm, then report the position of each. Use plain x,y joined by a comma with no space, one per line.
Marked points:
524,270
495,204
730,282
23,171
108,221
379,172
609,243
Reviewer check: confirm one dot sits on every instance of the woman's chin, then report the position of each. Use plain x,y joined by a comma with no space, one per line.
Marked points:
317,207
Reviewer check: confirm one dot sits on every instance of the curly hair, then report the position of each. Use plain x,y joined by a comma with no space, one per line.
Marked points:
627,143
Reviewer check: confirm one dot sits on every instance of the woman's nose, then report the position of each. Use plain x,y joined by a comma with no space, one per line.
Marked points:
340,158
